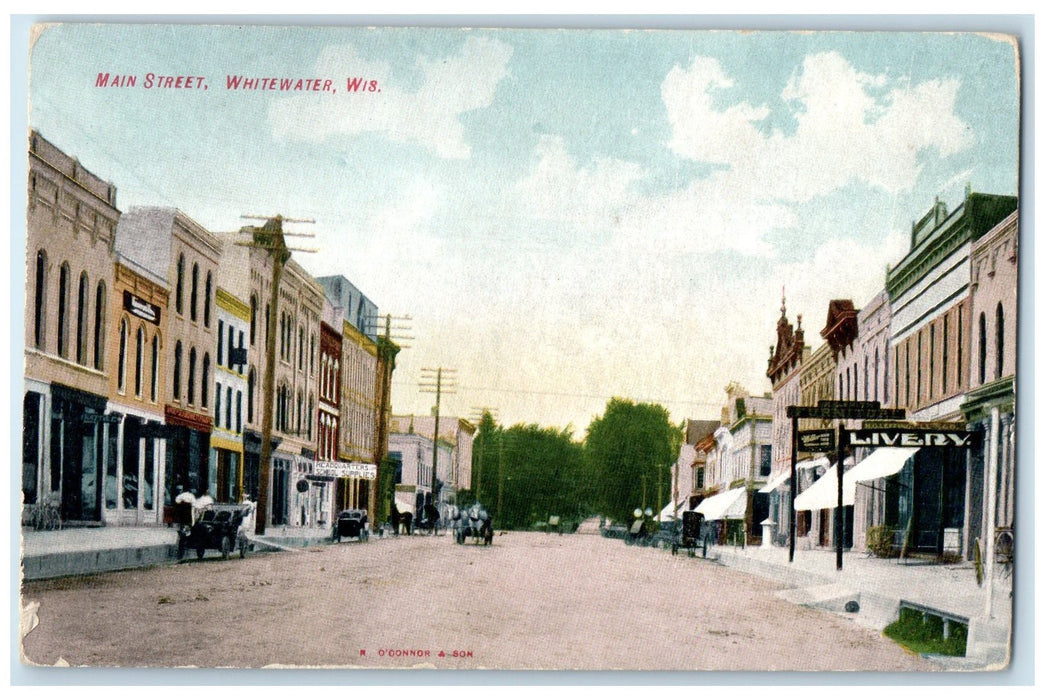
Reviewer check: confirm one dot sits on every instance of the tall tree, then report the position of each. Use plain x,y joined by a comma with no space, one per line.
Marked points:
631,447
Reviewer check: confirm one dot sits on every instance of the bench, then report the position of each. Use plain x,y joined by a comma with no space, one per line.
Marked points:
928,611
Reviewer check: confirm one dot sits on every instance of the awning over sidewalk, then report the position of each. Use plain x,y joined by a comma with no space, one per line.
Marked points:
883,462
774,483
824,491
813,463
725,506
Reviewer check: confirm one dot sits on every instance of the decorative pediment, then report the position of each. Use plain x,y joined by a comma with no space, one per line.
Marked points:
841,327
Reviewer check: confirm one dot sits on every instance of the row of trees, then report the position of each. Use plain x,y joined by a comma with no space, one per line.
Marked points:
526,473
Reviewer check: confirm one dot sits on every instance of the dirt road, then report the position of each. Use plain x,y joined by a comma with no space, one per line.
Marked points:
530,601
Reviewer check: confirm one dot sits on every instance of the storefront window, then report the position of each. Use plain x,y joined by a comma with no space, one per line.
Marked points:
149,474
111,468
30,445
131,452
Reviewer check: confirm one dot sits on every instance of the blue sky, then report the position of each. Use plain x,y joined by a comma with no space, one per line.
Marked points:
567,215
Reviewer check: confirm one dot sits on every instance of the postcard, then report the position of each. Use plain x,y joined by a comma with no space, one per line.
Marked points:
519,349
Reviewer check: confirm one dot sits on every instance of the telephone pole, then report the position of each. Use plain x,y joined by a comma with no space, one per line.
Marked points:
270,237
432,381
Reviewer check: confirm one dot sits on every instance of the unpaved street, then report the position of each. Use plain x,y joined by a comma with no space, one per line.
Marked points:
530,601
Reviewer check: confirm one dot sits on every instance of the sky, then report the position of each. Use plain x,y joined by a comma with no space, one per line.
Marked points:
565,215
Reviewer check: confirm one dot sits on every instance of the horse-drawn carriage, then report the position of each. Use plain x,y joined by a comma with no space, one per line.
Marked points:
689,537
475,522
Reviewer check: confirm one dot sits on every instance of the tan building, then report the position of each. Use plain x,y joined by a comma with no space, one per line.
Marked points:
990,404
137,394
66,441
190,255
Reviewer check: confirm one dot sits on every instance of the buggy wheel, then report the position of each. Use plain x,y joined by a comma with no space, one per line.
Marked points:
226,547
200,549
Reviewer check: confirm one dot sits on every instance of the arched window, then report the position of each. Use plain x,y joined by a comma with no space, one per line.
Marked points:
999,341
63,310
179,285
121,372
139,361
250,396
983,348
176,374
301,347
253,317
155,382
40,298
195,288
205,383
99,327
81,320
299,407
311,412
206,301
190,391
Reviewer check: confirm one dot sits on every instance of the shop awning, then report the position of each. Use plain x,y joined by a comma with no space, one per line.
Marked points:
730,505
775,483
669,513
813,463
824,491
883,462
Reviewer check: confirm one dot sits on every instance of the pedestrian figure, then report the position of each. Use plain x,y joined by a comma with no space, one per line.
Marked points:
407,519
394,515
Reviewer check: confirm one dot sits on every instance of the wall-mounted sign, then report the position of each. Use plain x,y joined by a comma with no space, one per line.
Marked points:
911,437
353,470
141,308
816,440
856,410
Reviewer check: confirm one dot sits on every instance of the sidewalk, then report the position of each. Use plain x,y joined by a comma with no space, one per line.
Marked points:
879,585
78,551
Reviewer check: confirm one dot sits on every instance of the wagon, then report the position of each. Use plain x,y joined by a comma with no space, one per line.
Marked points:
689,538
475,522
351,523
217,528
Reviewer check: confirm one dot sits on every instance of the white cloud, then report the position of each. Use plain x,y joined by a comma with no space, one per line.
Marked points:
429,116
847,130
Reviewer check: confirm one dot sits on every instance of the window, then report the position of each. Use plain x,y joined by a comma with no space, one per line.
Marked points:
253,317
190,393
217,405
301,347
299,414
228,357
243,348
205,384
195,287
121,374
943,359
959,358
81,320
983,348
99,327
40,297
867,375
999,341
63,309
312,353
221,336
918,386
155,366
239,411
250,396
206,301
932,359
179,284
139,361
228,408
176,378
308,418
